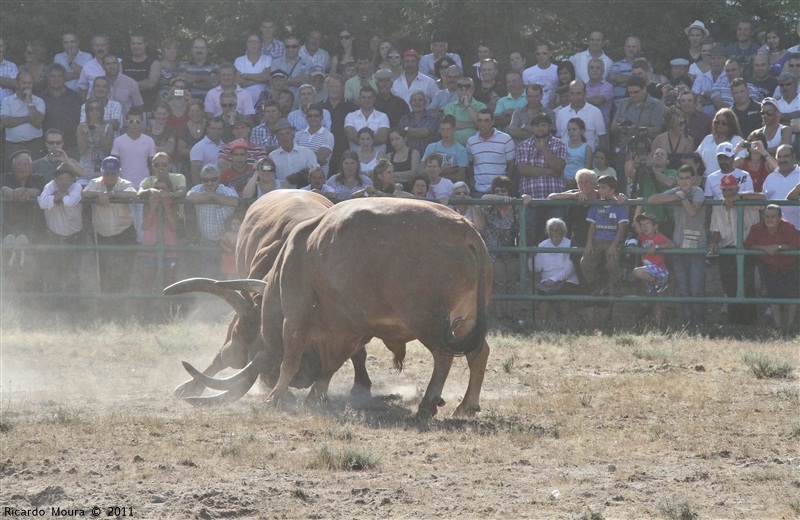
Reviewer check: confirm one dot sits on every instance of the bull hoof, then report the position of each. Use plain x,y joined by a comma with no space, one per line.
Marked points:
427,410
360,391
466,411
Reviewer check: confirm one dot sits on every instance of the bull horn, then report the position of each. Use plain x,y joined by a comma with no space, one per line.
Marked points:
226,383
226,397
246,284
243,381
233,298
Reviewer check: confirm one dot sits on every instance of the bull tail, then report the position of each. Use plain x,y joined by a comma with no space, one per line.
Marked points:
475,338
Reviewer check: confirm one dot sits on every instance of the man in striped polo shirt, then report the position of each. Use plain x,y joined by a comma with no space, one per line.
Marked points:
491,152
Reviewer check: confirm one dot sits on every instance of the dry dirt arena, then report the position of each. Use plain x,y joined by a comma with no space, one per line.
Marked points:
572,426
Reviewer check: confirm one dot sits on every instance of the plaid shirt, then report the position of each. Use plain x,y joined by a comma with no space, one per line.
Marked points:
261,136
211,217
275,49
540,187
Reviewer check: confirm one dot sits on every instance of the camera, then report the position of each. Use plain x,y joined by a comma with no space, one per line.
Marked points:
179,92
746,145
265,167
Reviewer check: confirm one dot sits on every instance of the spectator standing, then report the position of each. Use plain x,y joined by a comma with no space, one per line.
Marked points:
213,202
113,225
782,181
73,59
690,269
21,115
200,74
491,152
607,225
63,107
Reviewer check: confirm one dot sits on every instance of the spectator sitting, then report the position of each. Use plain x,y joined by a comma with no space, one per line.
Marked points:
758,163
349,183
316,183
558,274
239,172
654,272
292,162
384,184
471,213
439,188
780,273
263,180
607,226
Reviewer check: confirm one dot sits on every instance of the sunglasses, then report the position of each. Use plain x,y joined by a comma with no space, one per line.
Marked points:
464,86
721,123
500,190
210,180
228,105
134,121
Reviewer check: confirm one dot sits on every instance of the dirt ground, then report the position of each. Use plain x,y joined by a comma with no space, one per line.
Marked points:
572,427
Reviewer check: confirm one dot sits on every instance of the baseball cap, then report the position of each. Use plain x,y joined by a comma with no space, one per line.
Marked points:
279,72
316,70
411,52
647,216
384,74
725,148
283,123
110,165
728,181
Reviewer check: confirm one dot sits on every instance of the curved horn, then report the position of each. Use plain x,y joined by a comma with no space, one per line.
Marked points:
227,383
244,380
246,284
233,298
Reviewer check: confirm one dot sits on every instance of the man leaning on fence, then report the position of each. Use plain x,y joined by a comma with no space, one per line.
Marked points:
112,220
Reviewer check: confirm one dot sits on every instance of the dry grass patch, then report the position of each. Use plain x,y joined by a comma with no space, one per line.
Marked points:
619,425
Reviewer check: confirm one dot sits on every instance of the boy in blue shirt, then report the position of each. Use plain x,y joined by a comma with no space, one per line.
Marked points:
607,226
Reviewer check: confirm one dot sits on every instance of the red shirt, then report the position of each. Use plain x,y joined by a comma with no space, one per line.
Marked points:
786,234
228,175
758,175
656,240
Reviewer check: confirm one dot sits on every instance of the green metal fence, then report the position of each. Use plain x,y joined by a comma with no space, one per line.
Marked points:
522,248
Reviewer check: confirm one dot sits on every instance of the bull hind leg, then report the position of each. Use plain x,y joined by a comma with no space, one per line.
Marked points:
362,384
432,400
477,368
318,395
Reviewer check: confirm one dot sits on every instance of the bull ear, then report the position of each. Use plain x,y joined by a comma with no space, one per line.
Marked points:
246,284
242,307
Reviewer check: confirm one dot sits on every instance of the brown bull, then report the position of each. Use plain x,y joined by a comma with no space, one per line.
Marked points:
394,269
264,229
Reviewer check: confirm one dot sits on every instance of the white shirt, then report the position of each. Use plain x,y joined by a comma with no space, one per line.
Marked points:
581,63
63,219
402,89
713,181
375,122
15,107
547,78
245,66
287,163
591,116
321,58
708,151
427,62
244,103
206,151
776,187
81,58
322,138
557,267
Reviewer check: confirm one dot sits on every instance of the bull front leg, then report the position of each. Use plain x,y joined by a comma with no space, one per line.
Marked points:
476,360
362,385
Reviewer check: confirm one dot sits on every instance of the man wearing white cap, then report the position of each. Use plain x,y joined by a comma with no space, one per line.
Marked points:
725,157
695,32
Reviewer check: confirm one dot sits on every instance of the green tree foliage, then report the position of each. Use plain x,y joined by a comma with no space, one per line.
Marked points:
505,26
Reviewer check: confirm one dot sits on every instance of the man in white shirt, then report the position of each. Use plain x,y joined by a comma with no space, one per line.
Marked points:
312,52
227,83
544,73
367,116
590,114
412,79
581,60
779,183
72,59
292,162
93,68
438,49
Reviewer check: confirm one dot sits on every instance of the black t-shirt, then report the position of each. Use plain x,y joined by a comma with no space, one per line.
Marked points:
749,119
140,71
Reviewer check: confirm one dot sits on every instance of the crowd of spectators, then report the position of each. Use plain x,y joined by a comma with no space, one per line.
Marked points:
133,119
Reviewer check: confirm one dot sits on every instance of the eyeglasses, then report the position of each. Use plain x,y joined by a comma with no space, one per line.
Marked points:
291,46
54,143
345,36
94,109
393,56
768,113
721,123
210,180
314,115
228,105
500,190
134,121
